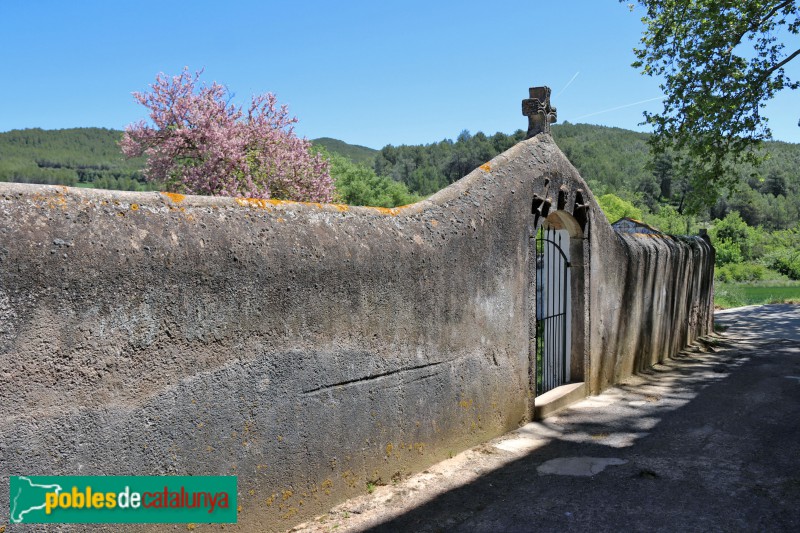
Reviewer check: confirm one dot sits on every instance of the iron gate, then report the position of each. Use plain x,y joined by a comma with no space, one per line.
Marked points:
552,311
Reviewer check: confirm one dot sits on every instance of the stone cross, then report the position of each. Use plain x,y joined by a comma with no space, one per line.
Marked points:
538,110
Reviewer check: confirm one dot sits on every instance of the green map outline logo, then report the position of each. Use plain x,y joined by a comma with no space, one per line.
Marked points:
14,500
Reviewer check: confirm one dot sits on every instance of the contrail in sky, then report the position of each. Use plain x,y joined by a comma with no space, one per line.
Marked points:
620,107
568,83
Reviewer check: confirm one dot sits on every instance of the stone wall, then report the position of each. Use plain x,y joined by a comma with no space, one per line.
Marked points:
308,349
652,295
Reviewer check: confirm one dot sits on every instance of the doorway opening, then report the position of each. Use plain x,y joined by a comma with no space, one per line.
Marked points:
553,316
559,315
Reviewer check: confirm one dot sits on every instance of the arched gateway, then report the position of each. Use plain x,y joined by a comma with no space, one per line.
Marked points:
558,303
552,309
557,253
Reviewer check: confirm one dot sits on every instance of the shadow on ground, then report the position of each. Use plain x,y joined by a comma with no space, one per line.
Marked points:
708,441
712,443
775,321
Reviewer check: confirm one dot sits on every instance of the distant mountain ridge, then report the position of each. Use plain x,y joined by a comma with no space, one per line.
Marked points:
354,152
611,160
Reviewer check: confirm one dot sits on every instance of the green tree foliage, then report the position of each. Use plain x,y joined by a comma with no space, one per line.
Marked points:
733,239
741,272
720,62
429,168
746,253
774,184
668,219
616,208
357,184
611,160
772,201
782,252
663,172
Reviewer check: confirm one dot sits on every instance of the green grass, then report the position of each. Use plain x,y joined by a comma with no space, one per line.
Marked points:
739,294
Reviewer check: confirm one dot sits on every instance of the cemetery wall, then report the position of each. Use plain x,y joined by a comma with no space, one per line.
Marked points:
308,349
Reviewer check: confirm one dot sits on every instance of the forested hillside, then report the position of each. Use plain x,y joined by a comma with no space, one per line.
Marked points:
612,160
617,161
353,152
427,168
77,157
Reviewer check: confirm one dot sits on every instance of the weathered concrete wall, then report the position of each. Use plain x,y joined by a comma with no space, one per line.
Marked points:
652,295
307,349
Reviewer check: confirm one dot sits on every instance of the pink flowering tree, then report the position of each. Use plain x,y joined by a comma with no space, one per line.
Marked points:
200,143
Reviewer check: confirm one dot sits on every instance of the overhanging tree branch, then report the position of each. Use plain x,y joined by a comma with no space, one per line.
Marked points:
753,27
777,66
711,113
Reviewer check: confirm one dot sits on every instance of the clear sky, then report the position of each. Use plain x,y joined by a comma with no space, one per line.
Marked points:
367,72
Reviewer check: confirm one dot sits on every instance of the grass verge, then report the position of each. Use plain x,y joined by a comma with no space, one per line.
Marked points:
727,295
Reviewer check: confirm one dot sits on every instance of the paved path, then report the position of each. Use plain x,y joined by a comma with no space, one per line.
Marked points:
777,321
708,442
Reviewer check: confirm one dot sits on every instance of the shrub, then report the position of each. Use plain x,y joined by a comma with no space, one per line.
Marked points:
742,272
786,262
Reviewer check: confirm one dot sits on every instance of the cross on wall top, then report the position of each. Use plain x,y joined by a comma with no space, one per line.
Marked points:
539,111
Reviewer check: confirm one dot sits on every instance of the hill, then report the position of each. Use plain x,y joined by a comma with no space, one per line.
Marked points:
77,156
354,152
617,161
90,157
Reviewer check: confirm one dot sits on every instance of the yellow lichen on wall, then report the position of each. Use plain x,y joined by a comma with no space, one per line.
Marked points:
52,203
252,202
175,197
392,211
350,478
266,204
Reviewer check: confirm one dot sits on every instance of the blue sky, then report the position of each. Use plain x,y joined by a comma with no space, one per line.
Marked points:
367,72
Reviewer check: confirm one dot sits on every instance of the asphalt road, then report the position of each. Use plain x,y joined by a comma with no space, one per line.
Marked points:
777,321
709,441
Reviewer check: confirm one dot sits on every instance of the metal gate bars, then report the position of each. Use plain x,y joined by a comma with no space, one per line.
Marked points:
552,305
